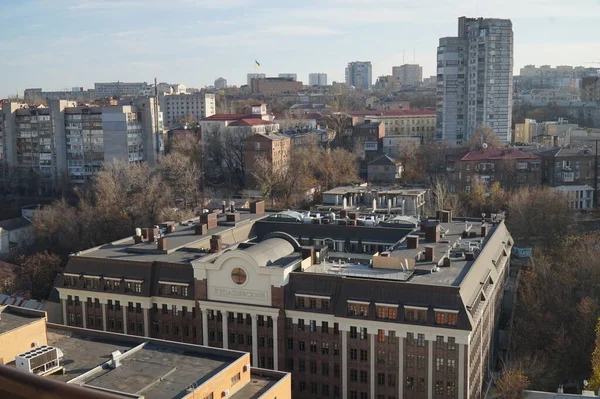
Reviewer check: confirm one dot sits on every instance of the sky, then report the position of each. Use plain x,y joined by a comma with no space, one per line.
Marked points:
59,44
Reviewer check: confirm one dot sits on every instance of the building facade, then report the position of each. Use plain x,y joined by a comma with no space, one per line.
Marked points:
292,76
509,167
475,80
119,89
384,170
220,83
175,107
527,131
275,86
412,315
272,148
251,76
408,74
48,147
590,88
359,74
317,79
413,123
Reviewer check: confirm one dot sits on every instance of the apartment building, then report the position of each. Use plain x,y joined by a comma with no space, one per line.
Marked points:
317,79
37,95
273,148
72,362
527,131
408,74
49,147
275,86
353,305
510,167
420,123
590,88
177,106
220,83
475,80
359,74
119,89
572,169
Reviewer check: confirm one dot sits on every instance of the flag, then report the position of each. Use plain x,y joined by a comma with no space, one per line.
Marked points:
256,63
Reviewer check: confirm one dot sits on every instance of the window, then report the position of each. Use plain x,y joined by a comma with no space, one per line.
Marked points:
451,366
421,340
380,357
324,327
300,324
364,377
325,390
97,303
445,318
301,346
117,305
302,386
439,387
439,364
269,342
324,304
381,335
301,365
174,290
165,310
240,338
261,321
392,337
392,380
313,367
289,322
353,354
439,342
336,350
231,338
300,302
312,303
290,343
290,365
235,379
380,379
415,315
410,339
130,307
410,360
420,362
387,312
363,333
353,332
261,342
109,304
450,388
313,346
392,359
138,307
421,385
313,326
410,382
230,317
353,375
364,355
325,348
325,368
451,343
356,309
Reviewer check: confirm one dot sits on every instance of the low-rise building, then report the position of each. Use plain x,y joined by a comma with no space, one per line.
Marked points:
402,200
389,104
384,170
15,235
196,106
20,330
119,89
272,148
275,86
404,123
525,132
508,166
581,197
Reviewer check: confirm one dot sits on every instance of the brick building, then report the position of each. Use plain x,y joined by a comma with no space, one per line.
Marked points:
354,305
508,166
274,148
275,86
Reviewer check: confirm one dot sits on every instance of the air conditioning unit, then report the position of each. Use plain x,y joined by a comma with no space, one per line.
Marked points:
225,393
247,367
42,360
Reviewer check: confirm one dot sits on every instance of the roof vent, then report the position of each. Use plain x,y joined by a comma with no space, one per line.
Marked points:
116,359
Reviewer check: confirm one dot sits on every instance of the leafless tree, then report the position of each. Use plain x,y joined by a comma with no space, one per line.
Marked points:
484,135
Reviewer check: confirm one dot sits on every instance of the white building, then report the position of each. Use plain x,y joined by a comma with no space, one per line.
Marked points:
117,89
197,105
251,76
359,74
292,76
220,83
317,79
580,196
475,81
408,74
15,234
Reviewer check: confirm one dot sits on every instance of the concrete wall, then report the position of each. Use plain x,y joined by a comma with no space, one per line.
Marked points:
22,339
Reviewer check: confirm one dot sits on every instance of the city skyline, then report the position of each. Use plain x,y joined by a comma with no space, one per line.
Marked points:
76,42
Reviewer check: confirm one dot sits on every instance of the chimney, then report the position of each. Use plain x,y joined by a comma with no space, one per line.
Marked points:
233,217
429,256
308,252
412,242
432,232
484,230
374,204
162,244
446,262
232,207
469,256
152,233
200,229
216,245
145,234
137,239
224,208
257,207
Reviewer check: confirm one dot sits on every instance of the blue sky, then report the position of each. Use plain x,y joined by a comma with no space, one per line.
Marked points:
58,44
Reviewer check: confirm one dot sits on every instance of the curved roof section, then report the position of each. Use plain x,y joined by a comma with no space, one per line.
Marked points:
270,251
286,215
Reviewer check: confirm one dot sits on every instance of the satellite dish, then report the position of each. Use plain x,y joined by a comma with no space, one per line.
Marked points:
585,383
484,145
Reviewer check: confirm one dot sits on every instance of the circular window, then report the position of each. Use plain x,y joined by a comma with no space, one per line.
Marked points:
238,275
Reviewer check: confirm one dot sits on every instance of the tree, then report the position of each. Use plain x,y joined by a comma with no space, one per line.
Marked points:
595,379
187,120
183,176
511,384
432,160
443,198
481,135
38,273
267,178
408,152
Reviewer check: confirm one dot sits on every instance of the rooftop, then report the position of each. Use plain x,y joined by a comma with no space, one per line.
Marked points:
497,154
363,188
12,318
411,112
14,224
156,369
250,122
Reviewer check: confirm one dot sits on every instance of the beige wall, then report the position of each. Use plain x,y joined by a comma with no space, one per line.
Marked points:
281,390
22,339
222,381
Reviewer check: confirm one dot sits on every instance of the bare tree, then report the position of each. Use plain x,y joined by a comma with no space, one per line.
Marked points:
183,176
408,153
511,384
443,198
37,274
484,135
187,120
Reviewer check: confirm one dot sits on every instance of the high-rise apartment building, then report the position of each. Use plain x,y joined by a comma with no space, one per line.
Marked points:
177,106
359,74
475,80
118,89
408,74
220,83
46,148
317,79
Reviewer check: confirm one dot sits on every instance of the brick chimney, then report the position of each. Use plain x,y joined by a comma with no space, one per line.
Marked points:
216,244
257,207
200,229
432,231
412,242
162,244
484,230
429,255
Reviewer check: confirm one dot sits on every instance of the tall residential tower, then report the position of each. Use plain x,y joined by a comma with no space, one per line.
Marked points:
475,80
359,74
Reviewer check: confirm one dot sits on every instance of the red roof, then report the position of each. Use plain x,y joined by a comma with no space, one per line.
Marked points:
493,154
414,112
250,122
314,115
226,117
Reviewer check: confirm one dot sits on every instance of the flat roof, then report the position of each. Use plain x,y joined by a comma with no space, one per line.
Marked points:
259,385
12,318
152,368
380,189
182,243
